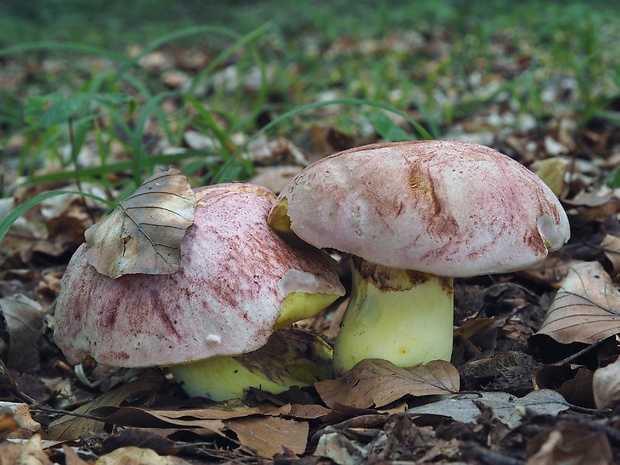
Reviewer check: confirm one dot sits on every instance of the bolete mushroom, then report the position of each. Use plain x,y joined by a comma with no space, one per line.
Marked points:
415,215
238,282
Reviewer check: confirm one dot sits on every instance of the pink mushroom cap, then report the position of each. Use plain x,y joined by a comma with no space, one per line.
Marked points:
448,208
225,300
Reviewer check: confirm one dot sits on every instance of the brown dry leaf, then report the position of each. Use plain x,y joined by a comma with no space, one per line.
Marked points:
275,178
71,427
606,385
341,449
379,382
16,422
592,207
308,412
570,443
585,309
143,235
27,453
573,382
24,322
268,436
611,248
211,419
137,456
71,457
206,418
551,270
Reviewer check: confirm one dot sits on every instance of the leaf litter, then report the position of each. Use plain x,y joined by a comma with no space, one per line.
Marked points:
545,383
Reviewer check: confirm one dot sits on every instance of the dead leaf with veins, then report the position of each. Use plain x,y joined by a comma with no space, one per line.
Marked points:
268,436
586,308
379,382
144,234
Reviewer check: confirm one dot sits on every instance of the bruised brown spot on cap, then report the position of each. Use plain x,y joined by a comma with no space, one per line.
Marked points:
430,198
535,242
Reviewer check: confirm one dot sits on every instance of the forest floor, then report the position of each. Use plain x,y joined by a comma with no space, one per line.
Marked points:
534,377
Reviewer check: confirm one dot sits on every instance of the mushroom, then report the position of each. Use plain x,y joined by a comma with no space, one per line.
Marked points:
238,282
415,215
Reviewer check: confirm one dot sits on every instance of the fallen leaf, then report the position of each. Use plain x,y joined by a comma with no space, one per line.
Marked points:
379,382
506,408
27,453
206,418
16,422
24,323
570,443
71,457
611,248
137,456
69,427
143,235
585,309
606,385
275,178
574,383
593,207
156,439
268,436
267,151
308,412
340,449
553,171
552,270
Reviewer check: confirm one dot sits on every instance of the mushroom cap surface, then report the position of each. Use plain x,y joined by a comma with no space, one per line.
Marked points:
225,300
448,208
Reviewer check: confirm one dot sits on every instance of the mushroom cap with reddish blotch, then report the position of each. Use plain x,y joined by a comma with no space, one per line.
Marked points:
444,207
225,300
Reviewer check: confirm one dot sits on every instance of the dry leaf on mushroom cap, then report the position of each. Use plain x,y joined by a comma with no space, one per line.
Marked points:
144,233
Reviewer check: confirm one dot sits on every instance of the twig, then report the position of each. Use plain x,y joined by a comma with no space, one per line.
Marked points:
487,456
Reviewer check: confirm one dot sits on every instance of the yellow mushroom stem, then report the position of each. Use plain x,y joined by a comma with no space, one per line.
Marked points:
403,316
290,358
220,378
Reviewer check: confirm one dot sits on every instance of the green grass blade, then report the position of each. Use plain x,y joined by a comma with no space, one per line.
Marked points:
93,172
66,47
186,32
242,41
